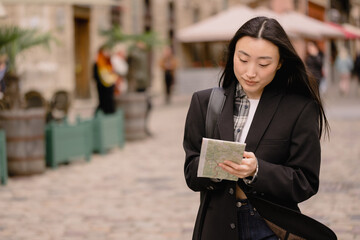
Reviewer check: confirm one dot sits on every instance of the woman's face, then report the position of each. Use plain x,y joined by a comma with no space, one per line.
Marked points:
255,64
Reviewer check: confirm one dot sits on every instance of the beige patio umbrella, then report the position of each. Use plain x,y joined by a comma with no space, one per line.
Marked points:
297,24
223,26
220,27
84,2
261,11
308,27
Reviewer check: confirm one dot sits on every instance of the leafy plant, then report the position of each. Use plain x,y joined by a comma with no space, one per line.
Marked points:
115,35
6,36
150,38
13,42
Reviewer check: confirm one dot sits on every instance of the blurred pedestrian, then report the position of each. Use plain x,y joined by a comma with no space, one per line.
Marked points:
314,61
120,66
139,79
273,106
344,65
105,81
357,67
168,64
139,76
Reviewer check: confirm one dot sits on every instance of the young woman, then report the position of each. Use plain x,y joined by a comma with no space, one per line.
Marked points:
274,107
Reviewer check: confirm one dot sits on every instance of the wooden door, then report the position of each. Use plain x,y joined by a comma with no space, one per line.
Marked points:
82,51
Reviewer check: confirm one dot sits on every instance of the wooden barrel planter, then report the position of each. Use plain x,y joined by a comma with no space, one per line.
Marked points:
134,106
25,140
3,160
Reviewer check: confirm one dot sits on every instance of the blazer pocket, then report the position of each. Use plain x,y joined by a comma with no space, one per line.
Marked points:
274,142
273,150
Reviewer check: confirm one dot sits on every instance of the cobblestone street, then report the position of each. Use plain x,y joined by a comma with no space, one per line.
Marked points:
139,192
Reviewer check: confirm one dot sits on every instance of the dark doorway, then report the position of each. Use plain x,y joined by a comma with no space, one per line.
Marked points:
82,51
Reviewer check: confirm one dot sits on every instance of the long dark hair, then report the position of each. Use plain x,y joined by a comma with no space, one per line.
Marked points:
291,77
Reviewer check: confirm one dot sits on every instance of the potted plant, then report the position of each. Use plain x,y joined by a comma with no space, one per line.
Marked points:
135,101
24,128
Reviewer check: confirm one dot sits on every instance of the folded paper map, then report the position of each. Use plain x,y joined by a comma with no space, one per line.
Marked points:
215,151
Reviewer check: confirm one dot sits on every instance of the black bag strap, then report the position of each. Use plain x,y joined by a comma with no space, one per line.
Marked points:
304,226
215,106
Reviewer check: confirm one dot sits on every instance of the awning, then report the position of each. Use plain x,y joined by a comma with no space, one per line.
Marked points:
353,29
223,26
348,30
80,2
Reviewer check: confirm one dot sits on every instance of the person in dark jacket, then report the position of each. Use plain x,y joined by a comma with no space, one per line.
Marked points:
314,61
273,106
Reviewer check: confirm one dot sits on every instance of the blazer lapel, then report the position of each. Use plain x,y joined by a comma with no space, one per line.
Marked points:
225,122
265,111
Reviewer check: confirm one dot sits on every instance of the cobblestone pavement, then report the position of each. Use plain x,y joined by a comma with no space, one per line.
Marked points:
139,192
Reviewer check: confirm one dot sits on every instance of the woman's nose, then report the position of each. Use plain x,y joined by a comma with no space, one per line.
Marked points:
251,71
250,74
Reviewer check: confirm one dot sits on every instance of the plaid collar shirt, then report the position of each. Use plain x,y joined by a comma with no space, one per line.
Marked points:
241,111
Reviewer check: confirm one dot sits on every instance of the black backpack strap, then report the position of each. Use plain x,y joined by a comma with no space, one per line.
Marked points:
216,103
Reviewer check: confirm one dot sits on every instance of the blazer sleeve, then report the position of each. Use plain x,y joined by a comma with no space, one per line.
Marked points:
297,179
193,134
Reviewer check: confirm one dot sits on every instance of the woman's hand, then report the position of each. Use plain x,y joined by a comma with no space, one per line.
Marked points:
246,168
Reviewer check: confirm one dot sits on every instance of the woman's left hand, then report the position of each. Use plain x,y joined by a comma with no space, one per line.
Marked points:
246,168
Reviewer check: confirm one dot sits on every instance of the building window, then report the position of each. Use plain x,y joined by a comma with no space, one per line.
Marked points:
171,12
171,21
196,15
147,16
116,16
296,5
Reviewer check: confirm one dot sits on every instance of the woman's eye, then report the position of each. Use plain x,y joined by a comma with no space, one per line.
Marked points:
264,65
242,60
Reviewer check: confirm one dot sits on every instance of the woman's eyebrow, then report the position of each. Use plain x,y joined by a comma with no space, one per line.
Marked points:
241,51
265,57
262,57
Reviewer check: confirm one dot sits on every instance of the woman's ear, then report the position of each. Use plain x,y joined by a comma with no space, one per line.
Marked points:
279,65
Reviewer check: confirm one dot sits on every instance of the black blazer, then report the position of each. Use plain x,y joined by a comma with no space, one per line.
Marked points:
284,135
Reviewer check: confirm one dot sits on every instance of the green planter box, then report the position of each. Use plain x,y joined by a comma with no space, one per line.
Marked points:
3,160
89,125
108,131
65,142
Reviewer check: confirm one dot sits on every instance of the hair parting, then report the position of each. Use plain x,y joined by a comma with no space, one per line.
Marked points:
261,29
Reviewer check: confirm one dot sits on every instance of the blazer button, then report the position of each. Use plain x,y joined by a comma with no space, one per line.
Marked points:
232,226
231,191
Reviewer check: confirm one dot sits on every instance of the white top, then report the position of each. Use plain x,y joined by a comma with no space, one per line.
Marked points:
253,106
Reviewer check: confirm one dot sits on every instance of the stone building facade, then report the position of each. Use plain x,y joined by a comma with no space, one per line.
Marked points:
68,64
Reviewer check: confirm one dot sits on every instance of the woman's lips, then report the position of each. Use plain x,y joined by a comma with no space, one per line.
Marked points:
250,83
